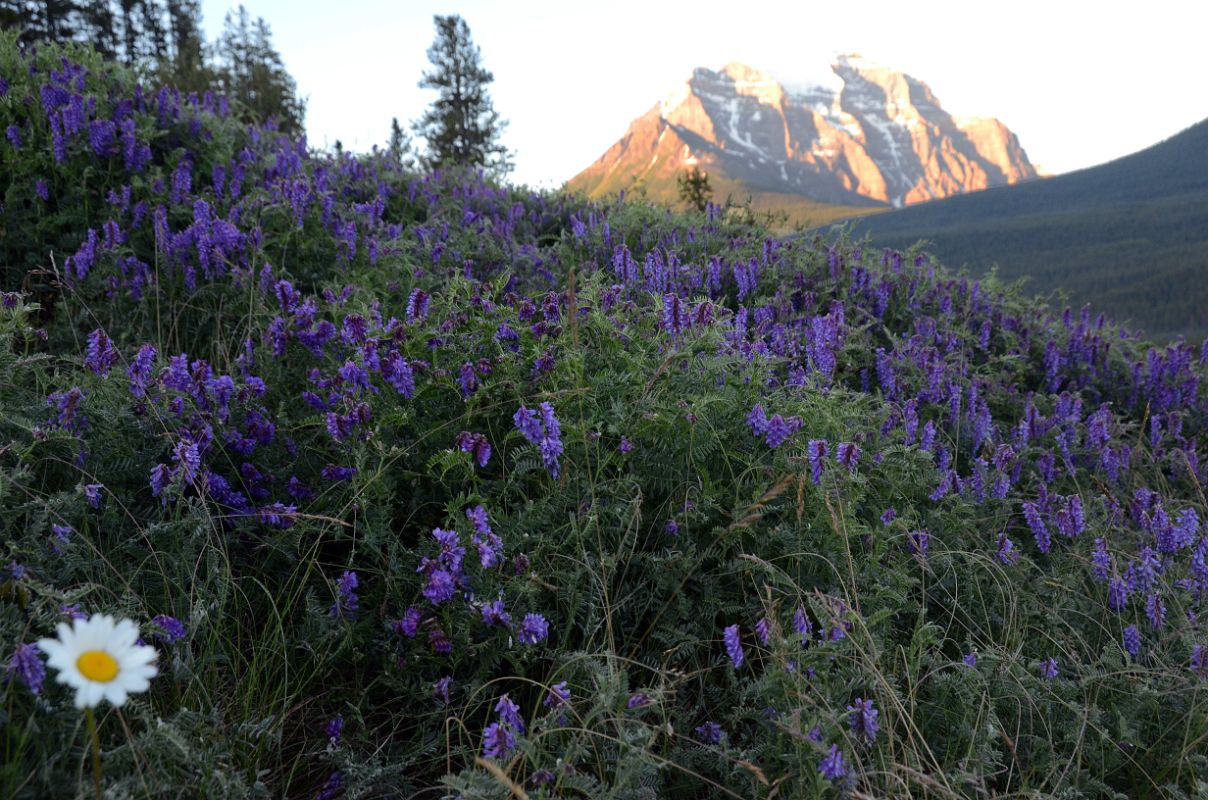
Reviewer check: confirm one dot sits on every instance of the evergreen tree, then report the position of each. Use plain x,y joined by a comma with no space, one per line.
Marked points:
399,146
694,189
461,127
251,73
183,63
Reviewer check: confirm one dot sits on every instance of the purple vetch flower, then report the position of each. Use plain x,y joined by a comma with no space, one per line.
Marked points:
626,446
14,136
62,534
442,689
439,642
498,741
441,586
347,602
816,451
637,700
408,624
335,473
1048,668
477,445
832,767
1199,660
170,629
1040,530
780,429
542,430
1132,640
26,666
417,305
101,355
848,455
1006,554
970,658
733,640
889,516
1100,559
863,719
803,625
334,729
495,613
919,542
490,546
331,788
763,631
533,629
757,418
709,732
557,696
1155,610
509,713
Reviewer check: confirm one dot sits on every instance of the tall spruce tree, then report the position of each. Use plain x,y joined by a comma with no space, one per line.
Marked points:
461,127
251,72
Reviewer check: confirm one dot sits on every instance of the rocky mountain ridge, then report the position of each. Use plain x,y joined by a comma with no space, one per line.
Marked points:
865,136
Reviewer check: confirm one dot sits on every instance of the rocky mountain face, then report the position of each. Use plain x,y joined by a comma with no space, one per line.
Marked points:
865,136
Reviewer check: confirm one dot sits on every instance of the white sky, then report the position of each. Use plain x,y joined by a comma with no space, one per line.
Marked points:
1079,81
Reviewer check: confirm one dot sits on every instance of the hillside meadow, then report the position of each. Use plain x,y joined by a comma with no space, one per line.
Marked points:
426,486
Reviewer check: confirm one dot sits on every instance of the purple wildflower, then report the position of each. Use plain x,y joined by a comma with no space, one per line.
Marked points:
1132,640
101,354
919,542
709,733
170,629
26,666
495,613
408,624
334,729
1048,668
863,719
558,695
780,429
442,689
848,455
533,629
816,452
347,602
498,741
970,658
637,700
763,631
733,642
831,766
758,420
509,713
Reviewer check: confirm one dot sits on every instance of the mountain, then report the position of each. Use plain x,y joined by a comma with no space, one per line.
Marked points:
865,138
1130,237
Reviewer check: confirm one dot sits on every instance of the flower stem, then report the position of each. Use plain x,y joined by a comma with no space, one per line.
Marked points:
96,752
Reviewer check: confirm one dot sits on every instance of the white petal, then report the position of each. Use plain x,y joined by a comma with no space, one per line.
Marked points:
115,694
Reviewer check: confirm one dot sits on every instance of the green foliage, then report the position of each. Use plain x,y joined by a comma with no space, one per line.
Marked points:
694,189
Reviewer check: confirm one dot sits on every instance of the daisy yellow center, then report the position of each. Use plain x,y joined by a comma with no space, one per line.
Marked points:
97,665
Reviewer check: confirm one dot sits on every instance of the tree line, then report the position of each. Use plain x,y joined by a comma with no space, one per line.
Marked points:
163,41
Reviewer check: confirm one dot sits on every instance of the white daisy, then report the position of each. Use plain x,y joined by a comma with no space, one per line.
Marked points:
99,657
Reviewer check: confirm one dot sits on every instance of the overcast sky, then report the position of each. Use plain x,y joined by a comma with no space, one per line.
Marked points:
1079,82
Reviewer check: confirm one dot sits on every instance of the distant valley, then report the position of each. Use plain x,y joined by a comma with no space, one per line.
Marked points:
1129,237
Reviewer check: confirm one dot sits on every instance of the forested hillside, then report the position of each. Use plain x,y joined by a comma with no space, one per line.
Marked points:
1129,237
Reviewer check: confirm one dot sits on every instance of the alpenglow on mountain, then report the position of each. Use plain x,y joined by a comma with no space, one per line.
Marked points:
865,137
